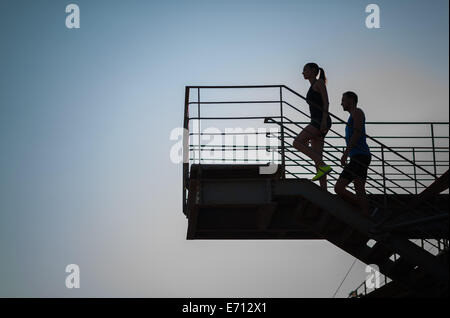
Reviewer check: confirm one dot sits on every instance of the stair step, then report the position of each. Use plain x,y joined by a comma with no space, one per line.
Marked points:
401,267
376,254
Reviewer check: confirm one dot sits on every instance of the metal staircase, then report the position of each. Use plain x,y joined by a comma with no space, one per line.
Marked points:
230,194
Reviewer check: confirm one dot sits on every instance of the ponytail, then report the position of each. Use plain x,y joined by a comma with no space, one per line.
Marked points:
322,75
315,68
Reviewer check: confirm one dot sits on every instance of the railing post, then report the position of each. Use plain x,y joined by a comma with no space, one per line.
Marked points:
283,167
198,125
384,177
223,146
434,152
185,148
414,166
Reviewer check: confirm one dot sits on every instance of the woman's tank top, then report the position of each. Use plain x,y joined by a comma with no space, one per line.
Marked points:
314,97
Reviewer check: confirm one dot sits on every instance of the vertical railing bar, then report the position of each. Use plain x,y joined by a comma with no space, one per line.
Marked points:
198,125
384,177
414,166
223,146
186,149
434,152
283,173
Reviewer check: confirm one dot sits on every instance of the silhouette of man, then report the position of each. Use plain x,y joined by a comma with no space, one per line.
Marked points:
359,153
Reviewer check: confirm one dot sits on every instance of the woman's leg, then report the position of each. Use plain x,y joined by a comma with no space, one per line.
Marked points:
301,144
317,146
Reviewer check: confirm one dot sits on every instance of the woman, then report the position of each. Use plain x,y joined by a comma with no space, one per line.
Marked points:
315,132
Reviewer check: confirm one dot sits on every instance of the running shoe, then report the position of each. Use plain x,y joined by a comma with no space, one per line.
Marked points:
322,172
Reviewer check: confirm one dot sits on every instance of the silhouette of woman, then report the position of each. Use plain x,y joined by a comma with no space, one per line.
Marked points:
315,132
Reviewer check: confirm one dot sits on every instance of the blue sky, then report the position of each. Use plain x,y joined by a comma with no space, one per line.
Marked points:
85,117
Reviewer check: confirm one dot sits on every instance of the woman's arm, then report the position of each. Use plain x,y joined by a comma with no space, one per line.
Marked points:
324,94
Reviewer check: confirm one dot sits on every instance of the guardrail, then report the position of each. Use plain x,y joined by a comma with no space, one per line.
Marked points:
405,163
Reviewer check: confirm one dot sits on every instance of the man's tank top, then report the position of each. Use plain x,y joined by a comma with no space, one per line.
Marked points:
361,148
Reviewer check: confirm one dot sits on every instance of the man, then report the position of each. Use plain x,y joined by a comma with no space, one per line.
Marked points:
359,153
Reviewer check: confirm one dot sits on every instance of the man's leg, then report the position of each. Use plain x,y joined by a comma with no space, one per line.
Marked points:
340,189
360,189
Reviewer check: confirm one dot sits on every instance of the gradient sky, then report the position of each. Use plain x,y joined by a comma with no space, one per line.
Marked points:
85,118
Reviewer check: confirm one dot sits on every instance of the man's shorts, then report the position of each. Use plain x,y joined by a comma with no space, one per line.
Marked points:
356,168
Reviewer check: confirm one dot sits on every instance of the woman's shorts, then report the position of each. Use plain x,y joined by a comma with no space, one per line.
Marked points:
315,122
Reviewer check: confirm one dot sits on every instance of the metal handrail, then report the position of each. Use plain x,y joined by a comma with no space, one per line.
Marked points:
367,136
285,149
390,189
340,121
199,102
383,185
285,121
